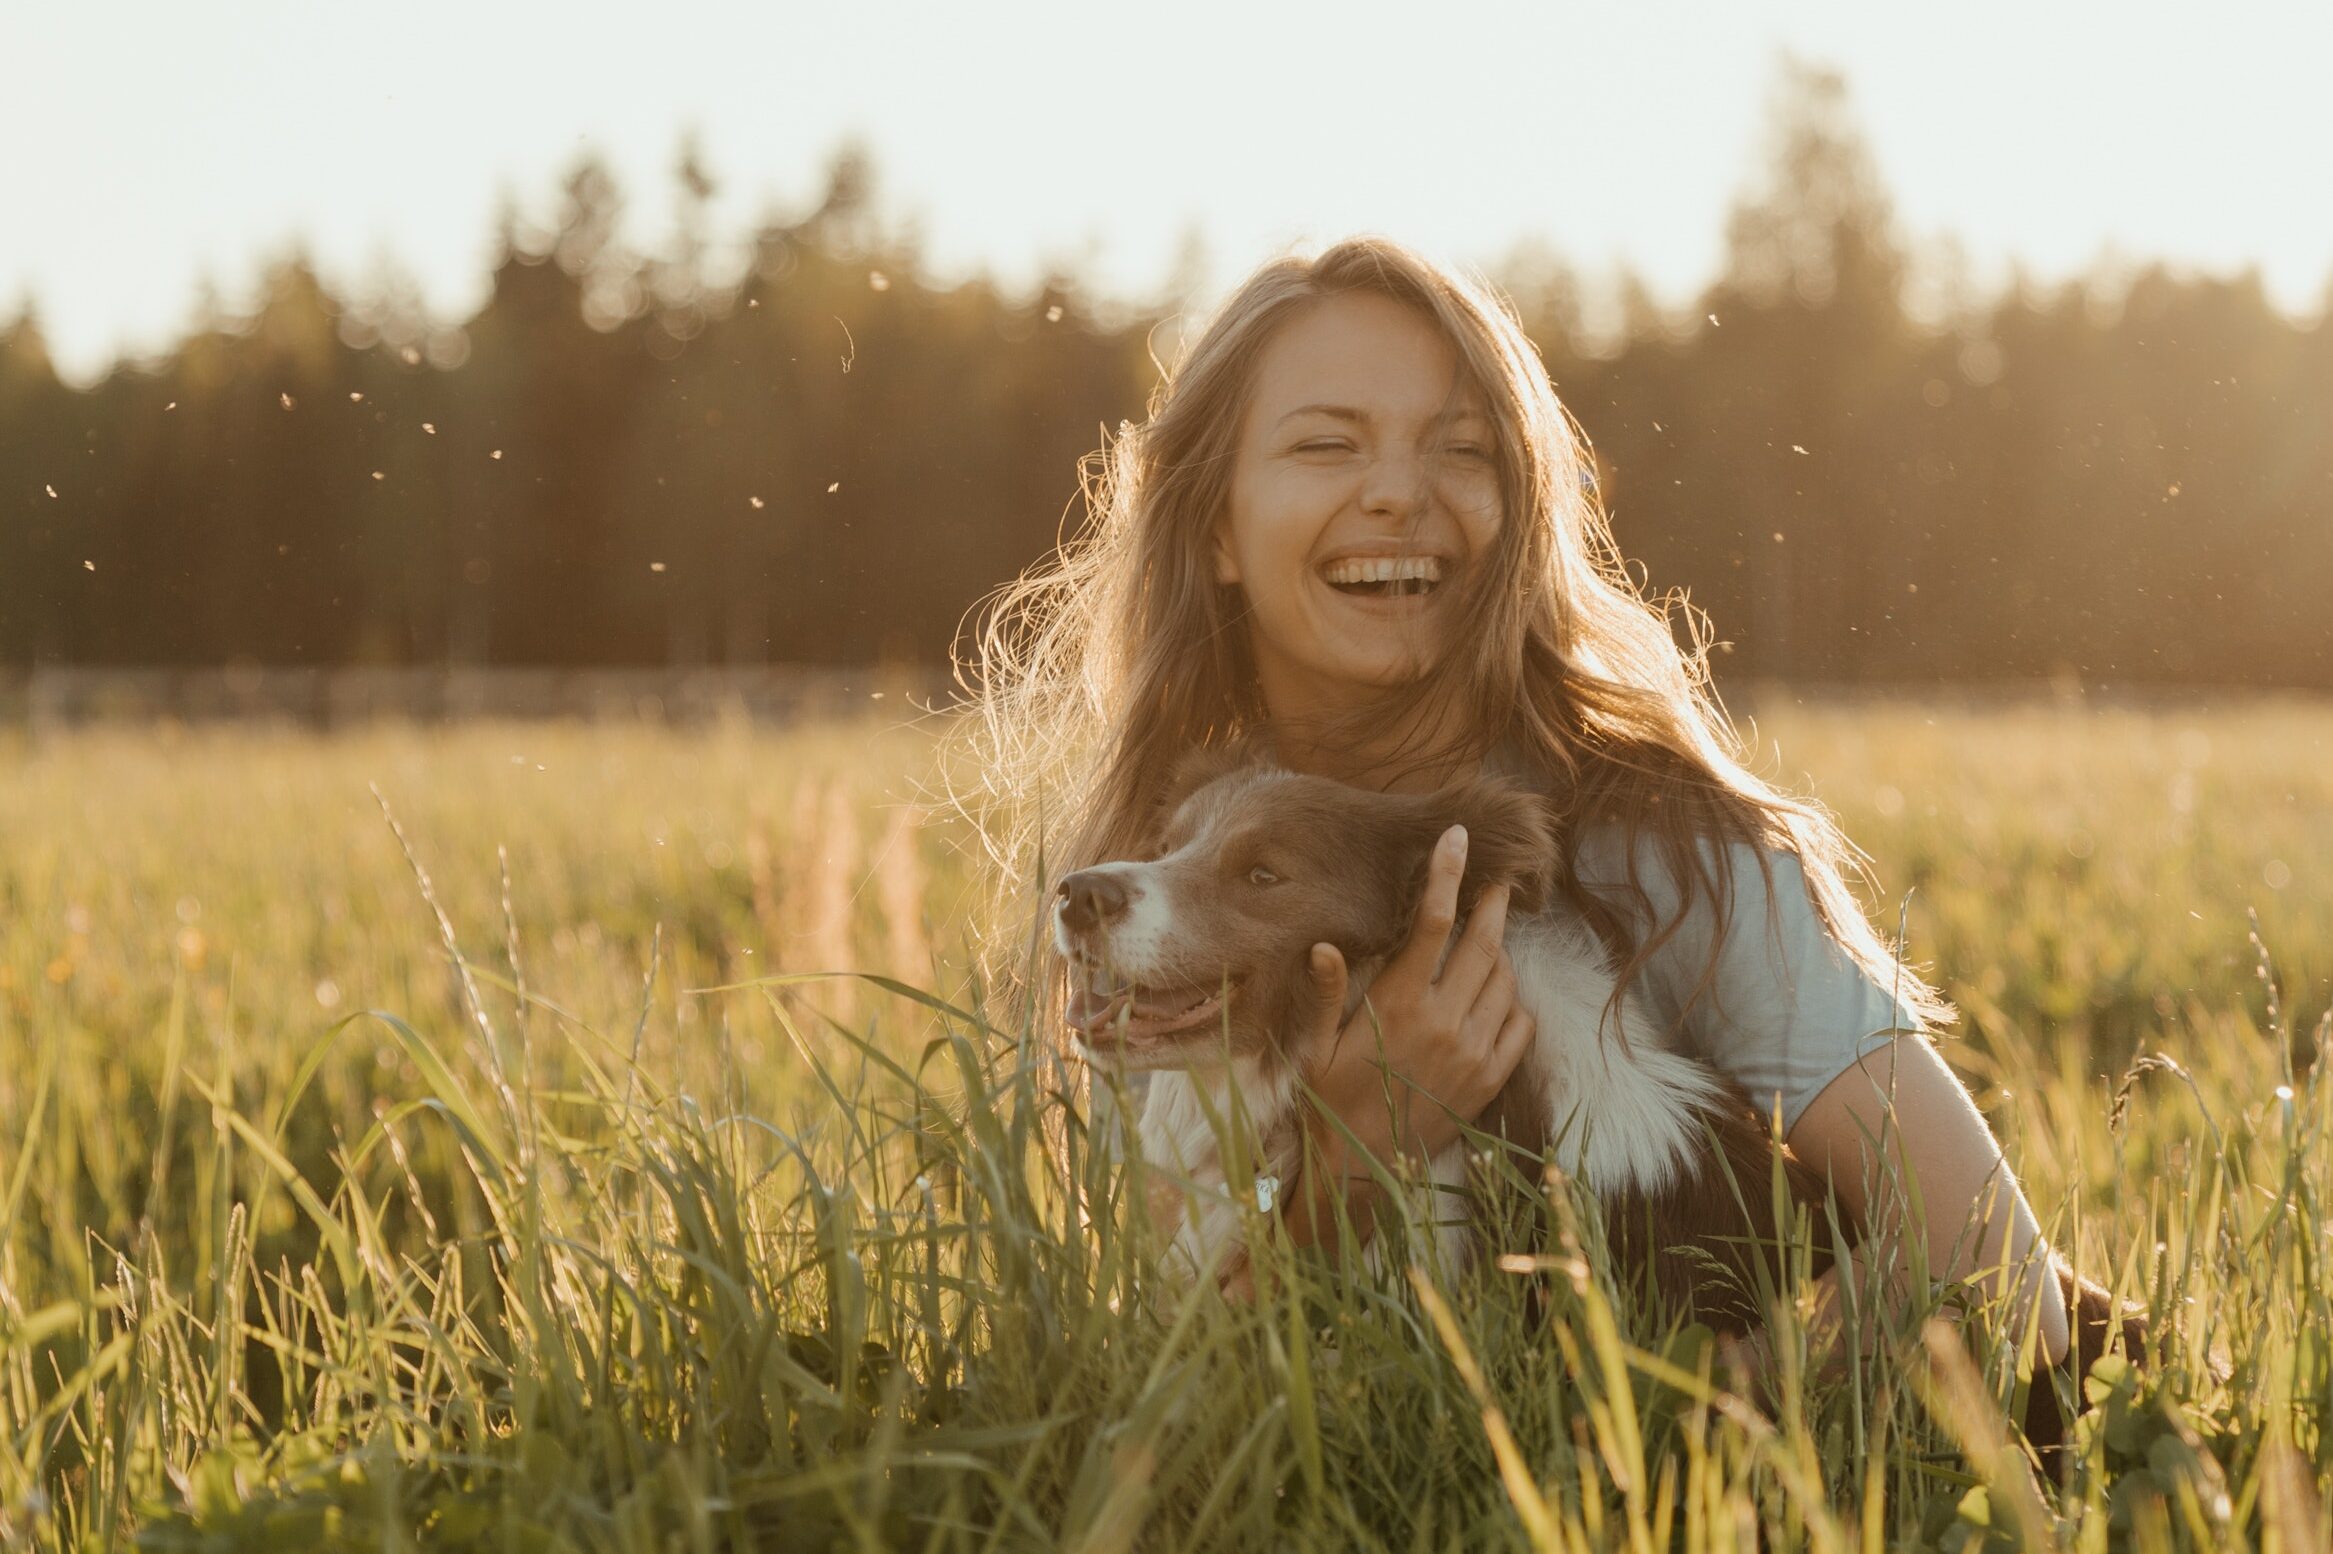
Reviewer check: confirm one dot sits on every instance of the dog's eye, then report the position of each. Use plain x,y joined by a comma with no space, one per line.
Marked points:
1259,875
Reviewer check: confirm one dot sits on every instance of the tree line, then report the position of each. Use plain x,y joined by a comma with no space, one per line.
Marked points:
1863,469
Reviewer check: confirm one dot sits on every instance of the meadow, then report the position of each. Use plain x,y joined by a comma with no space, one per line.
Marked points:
506,1177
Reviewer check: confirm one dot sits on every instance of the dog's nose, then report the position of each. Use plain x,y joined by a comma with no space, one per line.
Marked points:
1092,897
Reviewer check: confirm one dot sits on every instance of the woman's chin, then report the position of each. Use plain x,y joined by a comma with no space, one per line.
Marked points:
1376,672
1332,674
1386,657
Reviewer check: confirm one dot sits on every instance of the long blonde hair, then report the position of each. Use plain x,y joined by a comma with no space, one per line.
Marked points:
1098,671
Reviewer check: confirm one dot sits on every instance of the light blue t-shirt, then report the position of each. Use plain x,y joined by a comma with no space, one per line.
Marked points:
1786,1011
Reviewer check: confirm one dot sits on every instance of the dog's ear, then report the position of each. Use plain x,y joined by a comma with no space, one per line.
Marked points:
1510,840
1199,767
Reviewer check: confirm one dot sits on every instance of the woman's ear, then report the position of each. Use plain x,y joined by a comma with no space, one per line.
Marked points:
1226,564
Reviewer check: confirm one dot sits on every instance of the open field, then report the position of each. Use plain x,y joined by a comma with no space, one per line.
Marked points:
578,1243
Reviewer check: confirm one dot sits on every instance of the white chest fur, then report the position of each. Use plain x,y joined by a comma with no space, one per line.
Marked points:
1622,1100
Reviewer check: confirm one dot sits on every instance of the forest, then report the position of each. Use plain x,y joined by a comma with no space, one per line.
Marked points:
1863,467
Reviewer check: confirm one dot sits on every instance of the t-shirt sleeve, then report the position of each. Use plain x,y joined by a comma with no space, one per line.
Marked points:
1787,1011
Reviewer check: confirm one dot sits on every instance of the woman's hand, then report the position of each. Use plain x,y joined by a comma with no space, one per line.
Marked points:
1437,1035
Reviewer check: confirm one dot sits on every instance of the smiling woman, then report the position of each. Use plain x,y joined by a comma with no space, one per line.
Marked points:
1356,532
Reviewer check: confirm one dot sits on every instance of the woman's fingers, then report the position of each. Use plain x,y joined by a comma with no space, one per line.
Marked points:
1438,907
1478,952
1498,1023
1491,1001
1514,1040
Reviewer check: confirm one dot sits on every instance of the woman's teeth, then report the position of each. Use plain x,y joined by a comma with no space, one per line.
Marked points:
1384,574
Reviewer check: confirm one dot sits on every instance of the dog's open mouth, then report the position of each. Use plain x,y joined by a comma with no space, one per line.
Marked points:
1135,1015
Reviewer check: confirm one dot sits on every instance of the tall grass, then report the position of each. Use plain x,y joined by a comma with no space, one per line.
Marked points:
603,1227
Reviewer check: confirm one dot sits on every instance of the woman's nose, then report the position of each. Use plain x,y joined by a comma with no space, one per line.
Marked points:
1396,483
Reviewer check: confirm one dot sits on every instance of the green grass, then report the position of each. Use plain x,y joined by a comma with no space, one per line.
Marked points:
664,1253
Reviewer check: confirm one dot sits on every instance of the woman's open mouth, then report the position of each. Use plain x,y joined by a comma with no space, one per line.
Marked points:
1383,577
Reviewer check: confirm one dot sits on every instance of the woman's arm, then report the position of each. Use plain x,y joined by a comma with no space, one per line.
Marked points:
1762,990
1968,1196
1437,1035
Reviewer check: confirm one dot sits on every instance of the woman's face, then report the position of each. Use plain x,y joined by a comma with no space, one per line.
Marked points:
1364,485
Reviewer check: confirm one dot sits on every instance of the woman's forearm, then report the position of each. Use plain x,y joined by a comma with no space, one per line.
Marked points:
1976,1221
1328,1172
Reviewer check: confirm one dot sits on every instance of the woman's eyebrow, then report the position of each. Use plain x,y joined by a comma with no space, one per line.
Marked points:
1349,413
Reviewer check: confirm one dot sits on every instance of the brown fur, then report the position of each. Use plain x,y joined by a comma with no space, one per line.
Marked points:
1710,1245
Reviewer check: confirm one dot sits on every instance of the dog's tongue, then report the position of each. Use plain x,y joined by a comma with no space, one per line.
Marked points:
1088,1008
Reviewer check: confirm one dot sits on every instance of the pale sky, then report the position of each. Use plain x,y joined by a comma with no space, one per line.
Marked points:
149,145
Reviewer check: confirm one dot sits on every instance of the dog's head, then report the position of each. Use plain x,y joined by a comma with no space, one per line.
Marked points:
1204,948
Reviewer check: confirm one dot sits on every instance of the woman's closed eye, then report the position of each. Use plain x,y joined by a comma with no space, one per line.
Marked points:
1469,461
1464,450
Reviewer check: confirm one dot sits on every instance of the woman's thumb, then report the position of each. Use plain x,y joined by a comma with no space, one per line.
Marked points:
1328,980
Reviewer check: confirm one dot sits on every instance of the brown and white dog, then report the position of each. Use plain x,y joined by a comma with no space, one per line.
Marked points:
1194,963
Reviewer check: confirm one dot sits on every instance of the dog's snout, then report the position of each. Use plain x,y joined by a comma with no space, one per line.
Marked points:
1092,897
